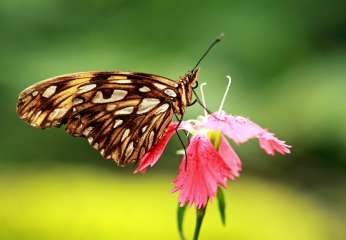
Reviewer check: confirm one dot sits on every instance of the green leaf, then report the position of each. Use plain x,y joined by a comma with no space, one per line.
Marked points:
200,212
180,220
222,205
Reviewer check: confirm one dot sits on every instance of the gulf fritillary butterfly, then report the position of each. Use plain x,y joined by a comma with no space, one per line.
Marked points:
122,114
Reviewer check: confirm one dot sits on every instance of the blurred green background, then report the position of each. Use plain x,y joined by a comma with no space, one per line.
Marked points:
288,65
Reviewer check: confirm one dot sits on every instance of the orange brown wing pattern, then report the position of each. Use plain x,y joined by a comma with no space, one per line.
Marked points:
48,103
121,114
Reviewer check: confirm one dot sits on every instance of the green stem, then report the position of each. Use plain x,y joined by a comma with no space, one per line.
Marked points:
221,204
180,221
200,212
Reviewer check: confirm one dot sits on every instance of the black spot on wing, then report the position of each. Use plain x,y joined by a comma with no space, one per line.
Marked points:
107,92
101,76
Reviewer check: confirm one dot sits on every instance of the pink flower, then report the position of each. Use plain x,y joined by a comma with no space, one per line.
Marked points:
204,171
208,168
211,161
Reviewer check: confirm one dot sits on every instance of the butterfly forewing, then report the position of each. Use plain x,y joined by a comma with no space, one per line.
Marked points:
48,103
122,114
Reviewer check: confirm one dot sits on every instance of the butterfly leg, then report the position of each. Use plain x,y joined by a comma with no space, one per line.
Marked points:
200,102
180,139
193,103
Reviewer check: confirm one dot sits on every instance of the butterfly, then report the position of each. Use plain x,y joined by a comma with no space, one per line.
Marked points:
121,114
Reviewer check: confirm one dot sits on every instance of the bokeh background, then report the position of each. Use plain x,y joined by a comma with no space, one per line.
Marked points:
287,60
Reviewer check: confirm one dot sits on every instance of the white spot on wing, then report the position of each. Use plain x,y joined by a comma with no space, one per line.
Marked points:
86,88
144,128
151,139
127,110
170,92
159,86
87,131
147,104
34,94
57,113
125,134
117,123
77,101
49,91
129,149
116,96
124,81
162,108
144,89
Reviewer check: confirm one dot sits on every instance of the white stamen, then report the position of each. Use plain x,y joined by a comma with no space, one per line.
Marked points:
203,99
225,94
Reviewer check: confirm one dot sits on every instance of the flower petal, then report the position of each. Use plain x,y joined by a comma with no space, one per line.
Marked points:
203,172
241,129
238,128
191,126
269,143
151,157
230,157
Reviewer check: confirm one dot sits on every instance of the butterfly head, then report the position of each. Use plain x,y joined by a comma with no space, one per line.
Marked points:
191,77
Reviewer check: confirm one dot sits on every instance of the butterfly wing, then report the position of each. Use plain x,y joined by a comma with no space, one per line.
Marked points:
48,103
121,114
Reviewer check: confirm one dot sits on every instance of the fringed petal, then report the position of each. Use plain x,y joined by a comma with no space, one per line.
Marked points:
230,157
270,144
203,172
241,129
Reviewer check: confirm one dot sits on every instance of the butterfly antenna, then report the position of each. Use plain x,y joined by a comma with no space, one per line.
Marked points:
218,39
